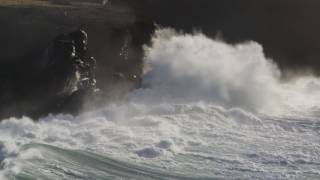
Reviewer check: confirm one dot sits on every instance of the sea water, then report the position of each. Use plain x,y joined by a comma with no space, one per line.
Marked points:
206,110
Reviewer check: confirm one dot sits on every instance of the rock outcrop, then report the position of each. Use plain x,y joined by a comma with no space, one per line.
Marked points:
116,35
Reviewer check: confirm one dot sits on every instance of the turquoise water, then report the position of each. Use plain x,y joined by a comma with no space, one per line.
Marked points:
162,142
73,164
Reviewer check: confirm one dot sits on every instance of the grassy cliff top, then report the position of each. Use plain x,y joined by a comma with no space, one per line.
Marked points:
27,3
74,10
52,3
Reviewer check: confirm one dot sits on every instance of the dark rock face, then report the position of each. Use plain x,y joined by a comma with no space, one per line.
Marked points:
69,65
63,71
42,68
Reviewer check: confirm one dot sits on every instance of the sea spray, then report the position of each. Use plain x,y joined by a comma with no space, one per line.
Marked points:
184,68
206,111
193,68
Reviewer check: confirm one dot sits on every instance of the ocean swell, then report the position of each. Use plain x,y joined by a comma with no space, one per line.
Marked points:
207,110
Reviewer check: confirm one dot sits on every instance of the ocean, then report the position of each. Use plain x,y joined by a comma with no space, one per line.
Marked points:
206,110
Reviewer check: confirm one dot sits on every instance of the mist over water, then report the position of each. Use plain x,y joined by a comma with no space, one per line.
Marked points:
207,110
186,68
195,68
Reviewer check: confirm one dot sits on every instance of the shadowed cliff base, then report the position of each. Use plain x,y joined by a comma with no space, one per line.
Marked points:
116,37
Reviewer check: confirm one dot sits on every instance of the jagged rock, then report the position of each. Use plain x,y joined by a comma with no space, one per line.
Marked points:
36,78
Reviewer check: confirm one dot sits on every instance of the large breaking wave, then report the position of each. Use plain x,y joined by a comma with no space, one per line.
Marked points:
207,110
193,68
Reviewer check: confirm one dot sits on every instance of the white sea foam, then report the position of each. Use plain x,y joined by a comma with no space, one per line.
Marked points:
205,110
186,68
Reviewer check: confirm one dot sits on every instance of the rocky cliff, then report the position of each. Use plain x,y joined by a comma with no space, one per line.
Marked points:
116,35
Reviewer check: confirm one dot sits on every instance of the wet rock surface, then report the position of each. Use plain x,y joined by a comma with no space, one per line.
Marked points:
116,37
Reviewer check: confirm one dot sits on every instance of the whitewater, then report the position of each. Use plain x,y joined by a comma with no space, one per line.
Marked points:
206,110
